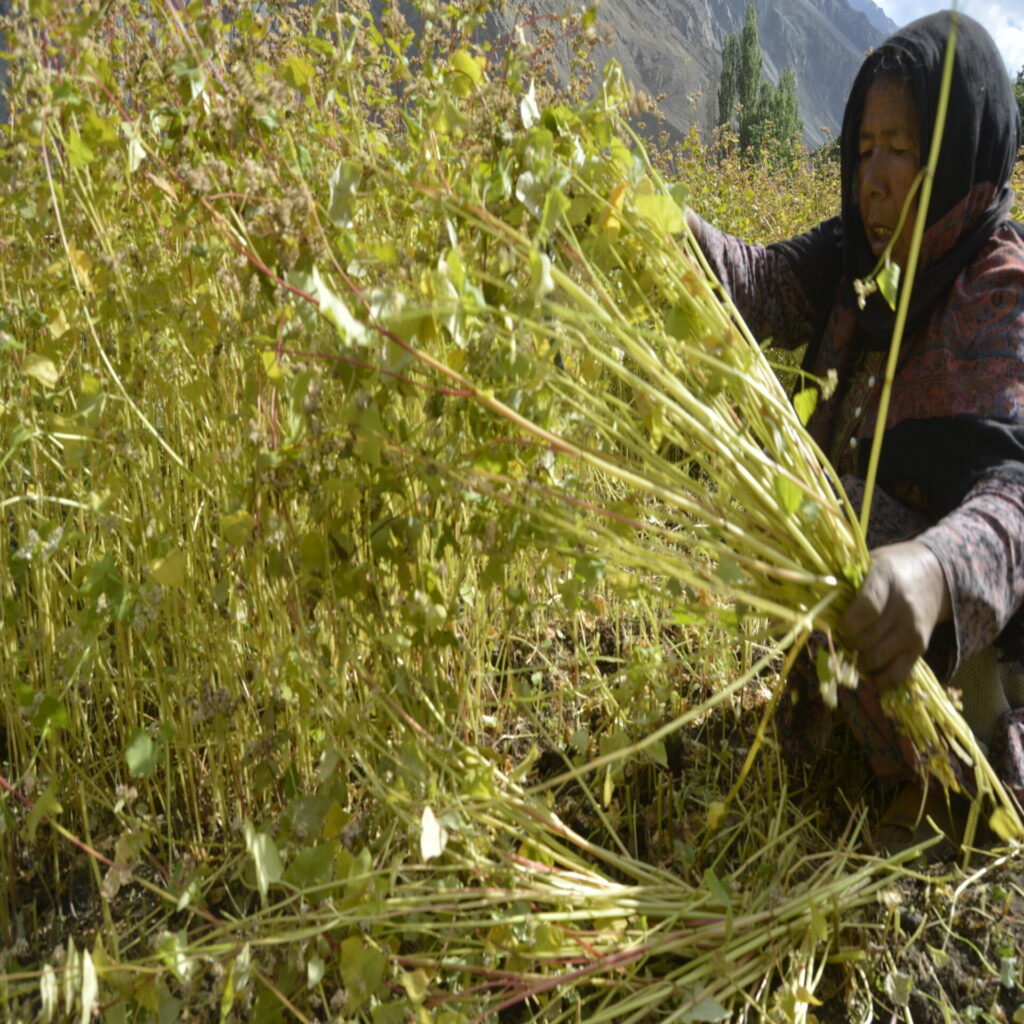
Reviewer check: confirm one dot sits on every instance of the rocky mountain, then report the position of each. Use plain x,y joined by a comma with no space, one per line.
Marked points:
875,15
672,48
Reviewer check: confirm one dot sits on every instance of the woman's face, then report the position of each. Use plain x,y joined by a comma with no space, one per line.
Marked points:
890,158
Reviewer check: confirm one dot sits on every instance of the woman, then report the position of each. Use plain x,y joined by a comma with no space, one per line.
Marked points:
947,572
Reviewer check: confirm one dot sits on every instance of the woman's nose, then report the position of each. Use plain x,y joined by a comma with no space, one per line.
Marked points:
873,177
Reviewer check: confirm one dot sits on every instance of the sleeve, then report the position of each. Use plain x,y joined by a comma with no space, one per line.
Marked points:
764,286
980,546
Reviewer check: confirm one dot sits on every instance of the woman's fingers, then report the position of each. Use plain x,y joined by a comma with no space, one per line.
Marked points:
889,660
891,620
865,622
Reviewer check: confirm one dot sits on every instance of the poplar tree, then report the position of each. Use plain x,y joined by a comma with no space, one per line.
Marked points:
730,71
741,71
785,127
769,117
748,81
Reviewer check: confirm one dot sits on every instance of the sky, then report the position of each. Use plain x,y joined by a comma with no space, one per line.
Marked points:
1003,18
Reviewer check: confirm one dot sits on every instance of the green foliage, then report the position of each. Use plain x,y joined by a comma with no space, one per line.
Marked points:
782,126
1018,91
751,60
727,89
753,199
289,615
767,117
229,542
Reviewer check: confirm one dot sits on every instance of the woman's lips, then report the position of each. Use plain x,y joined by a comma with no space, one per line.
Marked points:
878,237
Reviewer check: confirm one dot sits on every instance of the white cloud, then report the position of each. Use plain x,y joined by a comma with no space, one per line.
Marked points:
1003,21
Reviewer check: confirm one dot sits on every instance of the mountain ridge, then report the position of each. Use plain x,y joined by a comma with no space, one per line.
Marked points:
672,49
875,15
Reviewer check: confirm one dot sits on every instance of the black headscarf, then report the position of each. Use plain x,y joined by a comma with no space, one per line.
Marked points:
980,142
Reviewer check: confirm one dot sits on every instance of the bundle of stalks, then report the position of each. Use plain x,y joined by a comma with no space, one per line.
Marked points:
513,906
675,403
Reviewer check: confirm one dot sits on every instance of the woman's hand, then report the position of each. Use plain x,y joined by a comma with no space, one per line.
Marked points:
891,620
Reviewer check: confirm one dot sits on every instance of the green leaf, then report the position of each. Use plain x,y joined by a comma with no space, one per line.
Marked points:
540,274
889,283
805,402
718,888
661,212
141,754
657,753
40,368
362,971
136,150
46,806
468,65
332,308
237,527
170,570
237,981
1003,825
265,857
614,90
271,367
415,984
343,184
716,813
788,493
71,975
49,994
823,666
172,949
532,193
447,118
729,572
99,131
297,72
315,971
1008,971
683,322
78,152
705,1007
899,987
590,568
819,923
65,95
312,866
50,711
556,205
469,73
318,45
680,193
185,70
